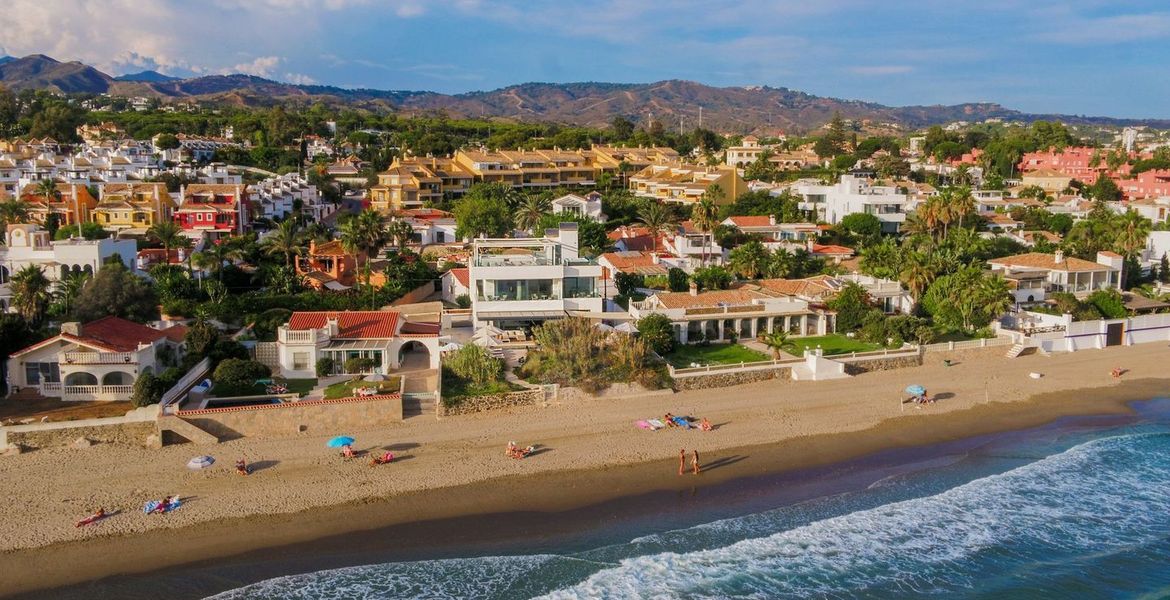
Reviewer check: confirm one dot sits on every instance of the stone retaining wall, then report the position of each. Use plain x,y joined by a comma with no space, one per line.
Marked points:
717,380
881,363
128,434
289,419
616,390
475,404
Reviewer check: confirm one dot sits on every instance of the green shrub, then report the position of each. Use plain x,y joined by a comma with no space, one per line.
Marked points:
148,390
658,332
463,301
359,364
325,366
474,364
238,376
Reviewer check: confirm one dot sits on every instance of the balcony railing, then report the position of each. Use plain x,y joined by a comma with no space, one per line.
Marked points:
518,297
100,358
304,336
97,392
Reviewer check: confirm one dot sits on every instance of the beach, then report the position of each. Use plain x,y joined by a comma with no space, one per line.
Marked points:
590,452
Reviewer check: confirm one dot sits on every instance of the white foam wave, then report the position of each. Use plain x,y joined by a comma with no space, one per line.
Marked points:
1099,495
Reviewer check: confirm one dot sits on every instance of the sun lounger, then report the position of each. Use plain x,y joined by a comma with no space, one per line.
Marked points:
656,424
644,425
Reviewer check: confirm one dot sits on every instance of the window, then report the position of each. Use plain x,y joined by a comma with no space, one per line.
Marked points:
300,361
42,372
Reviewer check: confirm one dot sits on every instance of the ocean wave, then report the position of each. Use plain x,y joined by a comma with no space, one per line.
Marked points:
1095,497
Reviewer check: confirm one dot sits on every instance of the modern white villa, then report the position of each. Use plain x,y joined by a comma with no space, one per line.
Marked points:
384,336
854,195
588,205
520,282
99,360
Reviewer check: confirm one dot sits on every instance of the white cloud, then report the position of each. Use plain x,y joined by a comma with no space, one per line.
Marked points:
299,79
262,66
1118,29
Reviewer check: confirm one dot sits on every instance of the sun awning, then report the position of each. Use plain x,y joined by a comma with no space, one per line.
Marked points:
358,345
605,316
336,285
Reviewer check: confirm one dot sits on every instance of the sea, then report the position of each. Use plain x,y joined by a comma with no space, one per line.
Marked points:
1076,510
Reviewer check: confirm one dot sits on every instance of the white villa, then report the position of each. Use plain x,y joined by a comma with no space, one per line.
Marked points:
854,195
276,197
740,313
1034,275
30,245
384,336
585,206
516,282
99,360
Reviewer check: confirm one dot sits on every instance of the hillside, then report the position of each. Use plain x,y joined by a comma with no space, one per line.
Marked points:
728,109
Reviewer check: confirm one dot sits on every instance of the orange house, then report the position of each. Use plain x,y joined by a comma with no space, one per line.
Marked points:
73,204
328,266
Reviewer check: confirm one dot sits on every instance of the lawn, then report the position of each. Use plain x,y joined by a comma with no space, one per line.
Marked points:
833,343
715,354
344,389
299,387
55,409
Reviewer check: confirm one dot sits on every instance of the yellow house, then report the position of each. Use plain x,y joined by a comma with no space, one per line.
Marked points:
133,207
410,182
687,183
1047,179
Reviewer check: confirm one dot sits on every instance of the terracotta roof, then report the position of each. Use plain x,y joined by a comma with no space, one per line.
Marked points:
330,248
353,324
641,243
751,221
462,275
641,263
711,298
420,329
176,333
1109,254
794,287
1039,260
831,250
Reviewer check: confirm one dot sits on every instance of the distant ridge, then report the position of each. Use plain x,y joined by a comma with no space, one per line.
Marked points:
745,109
146,76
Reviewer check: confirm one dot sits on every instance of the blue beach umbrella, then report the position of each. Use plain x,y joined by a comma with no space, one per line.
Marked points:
915,390
200,462
339,441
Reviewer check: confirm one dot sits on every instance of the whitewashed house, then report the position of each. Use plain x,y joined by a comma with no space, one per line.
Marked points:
99,360
851,194
1035,275
30,245
588,205
383,336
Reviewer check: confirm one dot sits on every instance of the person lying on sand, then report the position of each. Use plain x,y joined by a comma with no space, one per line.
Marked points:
515,451
382,460
241,467
705,425
669,420
347,451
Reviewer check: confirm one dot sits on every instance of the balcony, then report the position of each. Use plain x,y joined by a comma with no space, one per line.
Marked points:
91,393
318,337
100,358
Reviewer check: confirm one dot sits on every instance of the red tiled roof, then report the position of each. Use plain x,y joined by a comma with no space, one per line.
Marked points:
462,275
831,250
352,324
175,333
420,329
642,243
751,221
119,334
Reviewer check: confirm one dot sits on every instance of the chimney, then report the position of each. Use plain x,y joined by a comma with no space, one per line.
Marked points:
694,289
71,328
809,243
654,258
331,325
1058,257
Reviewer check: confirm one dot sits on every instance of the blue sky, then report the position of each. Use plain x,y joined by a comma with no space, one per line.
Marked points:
1070,56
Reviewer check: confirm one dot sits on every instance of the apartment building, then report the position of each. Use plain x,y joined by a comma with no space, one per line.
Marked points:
413,181
687,183
528,168
277,197
520,282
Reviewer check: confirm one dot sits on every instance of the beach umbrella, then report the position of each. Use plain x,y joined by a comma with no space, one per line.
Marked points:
339,441
200,462
915,390
450,347
374,377
626,327
602,326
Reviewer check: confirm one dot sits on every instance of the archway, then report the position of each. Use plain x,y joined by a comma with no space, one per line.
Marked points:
414,355
117,378
80,379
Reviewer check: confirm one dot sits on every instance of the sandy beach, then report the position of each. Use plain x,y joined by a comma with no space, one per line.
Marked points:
590,452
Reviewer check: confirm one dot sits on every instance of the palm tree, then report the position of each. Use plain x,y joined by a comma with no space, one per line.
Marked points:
1130,231
31,292
47,189
13,211
657,219
286,240
705,215
778,342
166,233
529,214
69,288
364,235
400,232
780,264
917,274
214,256
750,259
962,203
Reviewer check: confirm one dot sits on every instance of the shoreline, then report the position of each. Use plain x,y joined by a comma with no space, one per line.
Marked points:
228,541
557,488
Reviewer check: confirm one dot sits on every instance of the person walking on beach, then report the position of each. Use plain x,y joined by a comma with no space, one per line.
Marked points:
695,462
682,460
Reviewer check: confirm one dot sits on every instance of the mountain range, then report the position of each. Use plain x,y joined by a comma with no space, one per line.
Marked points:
729,109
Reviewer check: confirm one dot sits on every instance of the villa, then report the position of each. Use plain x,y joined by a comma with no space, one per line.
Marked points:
1034,275
517,282
584,206
723,315
852,194
328,265
133,208
99,360
219,209
385,337
26,245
